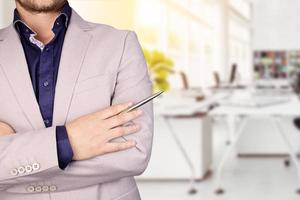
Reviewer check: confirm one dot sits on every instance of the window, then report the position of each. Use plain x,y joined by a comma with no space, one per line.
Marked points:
240,38
187,31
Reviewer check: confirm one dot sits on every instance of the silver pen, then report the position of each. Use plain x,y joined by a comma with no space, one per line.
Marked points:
139,104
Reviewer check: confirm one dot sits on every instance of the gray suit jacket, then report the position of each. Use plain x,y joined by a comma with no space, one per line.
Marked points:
100,66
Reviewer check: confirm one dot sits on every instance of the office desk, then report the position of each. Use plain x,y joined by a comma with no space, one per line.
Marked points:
276,112
182,146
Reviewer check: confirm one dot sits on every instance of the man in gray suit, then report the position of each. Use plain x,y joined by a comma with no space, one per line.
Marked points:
63,82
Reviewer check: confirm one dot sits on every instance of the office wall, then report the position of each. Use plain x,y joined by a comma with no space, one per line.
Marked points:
6,12
1,13
276,24
101,12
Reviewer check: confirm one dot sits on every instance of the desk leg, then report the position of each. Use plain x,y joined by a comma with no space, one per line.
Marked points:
292,154
219,190
231,122
192,189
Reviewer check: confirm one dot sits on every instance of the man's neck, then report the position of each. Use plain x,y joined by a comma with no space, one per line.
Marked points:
41,23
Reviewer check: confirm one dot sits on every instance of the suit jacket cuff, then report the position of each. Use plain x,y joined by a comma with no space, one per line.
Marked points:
64,149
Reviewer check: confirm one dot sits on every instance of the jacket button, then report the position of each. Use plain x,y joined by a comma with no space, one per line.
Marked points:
30,188
28,168
21,170
14,172
35,166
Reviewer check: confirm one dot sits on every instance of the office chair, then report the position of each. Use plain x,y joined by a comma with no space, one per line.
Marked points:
232,78
189,91
233,73
184,80
217,80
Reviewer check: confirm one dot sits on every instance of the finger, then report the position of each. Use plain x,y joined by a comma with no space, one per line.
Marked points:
115,146
6,129
114,110
123,118
123,130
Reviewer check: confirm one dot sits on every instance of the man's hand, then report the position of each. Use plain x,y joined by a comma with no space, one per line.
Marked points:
6,129
91,135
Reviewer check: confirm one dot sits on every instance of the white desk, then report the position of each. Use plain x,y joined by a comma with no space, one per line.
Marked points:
182,142
276,112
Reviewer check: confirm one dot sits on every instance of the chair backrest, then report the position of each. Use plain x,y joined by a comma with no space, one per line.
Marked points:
184,80
217,79
233,73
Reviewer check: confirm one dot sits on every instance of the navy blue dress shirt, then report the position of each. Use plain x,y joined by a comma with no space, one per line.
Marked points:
43,63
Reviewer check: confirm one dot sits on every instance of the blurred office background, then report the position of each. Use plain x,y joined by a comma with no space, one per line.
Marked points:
225,127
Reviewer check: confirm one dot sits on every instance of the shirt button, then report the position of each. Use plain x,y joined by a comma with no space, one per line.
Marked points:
46,83
46,121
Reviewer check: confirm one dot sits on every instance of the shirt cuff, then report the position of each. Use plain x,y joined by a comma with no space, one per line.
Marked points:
64,149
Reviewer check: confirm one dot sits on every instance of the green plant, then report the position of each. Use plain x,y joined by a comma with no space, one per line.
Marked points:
160,67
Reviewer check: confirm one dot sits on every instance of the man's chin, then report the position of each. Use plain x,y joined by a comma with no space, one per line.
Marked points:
41,6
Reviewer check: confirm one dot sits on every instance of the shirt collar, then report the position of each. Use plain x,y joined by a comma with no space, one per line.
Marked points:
65,15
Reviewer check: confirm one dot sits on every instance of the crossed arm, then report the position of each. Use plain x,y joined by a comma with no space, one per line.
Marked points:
99,156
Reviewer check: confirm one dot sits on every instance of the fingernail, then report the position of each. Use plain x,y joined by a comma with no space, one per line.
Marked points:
132,143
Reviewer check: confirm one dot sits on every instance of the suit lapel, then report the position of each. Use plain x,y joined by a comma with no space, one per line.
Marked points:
74,49
13,62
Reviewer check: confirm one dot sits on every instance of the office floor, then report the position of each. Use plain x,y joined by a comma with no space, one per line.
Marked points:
244,178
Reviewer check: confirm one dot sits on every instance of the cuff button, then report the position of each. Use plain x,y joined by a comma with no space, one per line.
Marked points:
53,188
30,189
21,170
14,172
35,166
45,188
38,188
28,168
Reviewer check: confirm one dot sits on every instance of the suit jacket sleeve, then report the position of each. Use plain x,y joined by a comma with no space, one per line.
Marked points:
23,160
133,84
